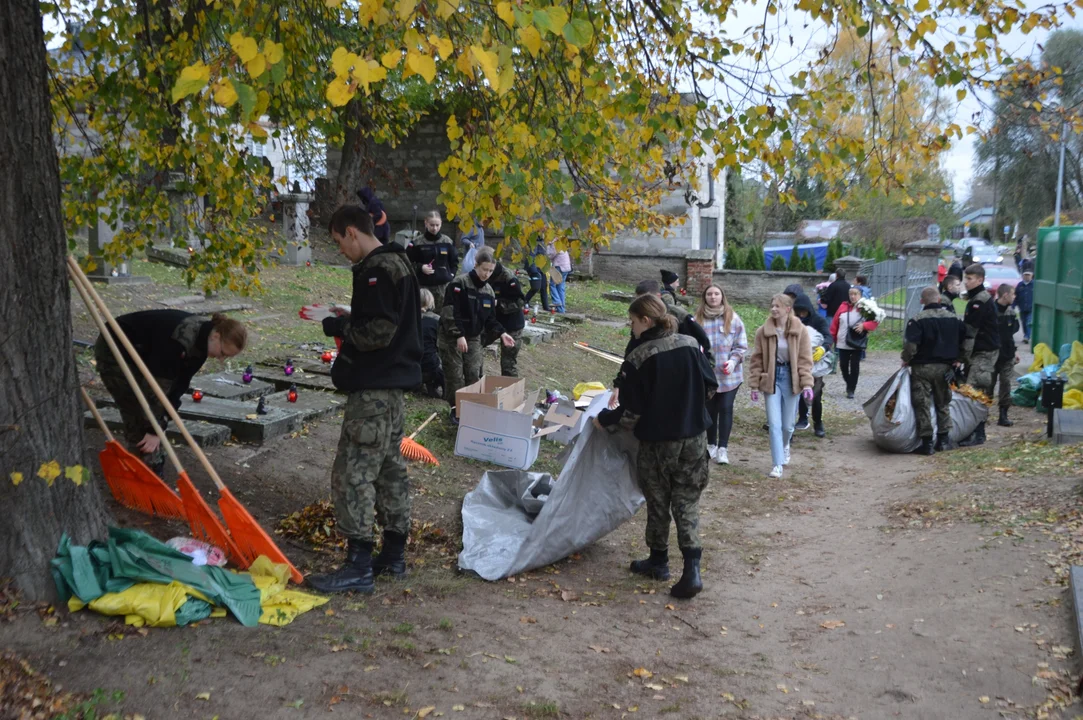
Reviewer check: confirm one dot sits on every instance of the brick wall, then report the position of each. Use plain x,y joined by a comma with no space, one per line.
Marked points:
755,287
699,267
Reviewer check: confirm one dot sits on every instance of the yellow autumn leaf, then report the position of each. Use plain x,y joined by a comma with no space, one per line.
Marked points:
559,17
49,472
340,92
192,79
507,78
332,3
487,61
263,101
443,46
343,61
368,10
256,130
505,13
224,94
273,52
405,8
445,9
369,71
245,47
256,66
75,473
391,58
454,132
16,478
423,65
531,39
465,64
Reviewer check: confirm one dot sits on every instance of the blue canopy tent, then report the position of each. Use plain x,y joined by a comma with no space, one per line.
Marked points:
818,251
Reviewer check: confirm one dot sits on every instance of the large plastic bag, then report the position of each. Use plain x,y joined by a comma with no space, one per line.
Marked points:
596,492
1073,400
1043,355
899,434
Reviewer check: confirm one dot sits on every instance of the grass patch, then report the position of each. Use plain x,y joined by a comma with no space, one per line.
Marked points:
586,297
544,709
403,628
1025,457
446,625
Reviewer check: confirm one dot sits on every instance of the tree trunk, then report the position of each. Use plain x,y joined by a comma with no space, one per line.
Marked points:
40,413
348,180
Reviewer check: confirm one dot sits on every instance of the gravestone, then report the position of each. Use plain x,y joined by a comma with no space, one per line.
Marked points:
230,386
295,228
99,235
205,434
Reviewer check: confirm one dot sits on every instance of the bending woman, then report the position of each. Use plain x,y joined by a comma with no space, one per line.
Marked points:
174,345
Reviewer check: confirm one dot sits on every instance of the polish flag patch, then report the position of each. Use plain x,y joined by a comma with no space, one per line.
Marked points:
457,289
372,281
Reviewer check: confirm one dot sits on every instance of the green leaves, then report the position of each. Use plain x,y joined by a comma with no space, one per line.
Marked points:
246,96
191,80
578,32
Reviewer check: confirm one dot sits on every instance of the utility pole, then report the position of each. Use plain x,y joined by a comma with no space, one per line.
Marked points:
1060,177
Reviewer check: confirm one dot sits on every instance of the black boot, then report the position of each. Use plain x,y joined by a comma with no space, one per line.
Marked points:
942,442
655,567
819,430
355,575
976,438
1004,421
392,558
926,447
690,583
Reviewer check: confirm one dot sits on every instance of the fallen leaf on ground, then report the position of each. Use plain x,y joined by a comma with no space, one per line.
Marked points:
832,624
525,619
568,595
983,699
783,688
203,696
599,649
424,712
670,607
458,708
643,673
652,686
682,678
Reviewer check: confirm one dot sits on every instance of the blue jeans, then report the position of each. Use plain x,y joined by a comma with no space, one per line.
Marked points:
1024,317
557,293
781,412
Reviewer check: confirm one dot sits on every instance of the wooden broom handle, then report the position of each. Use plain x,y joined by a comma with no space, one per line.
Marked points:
431,418
127,375
97,415
158,392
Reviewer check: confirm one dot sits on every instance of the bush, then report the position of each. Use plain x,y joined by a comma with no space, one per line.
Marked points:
832,255
795,260
778,264
734,259
808,263
753,258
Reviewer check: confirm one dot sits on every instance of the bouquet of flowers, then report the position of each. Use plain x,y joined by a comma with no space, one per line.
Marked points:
820,290
870,310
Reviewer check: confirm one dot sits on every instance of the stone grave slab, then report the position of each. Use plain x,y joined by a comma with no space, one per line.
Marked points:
170,256
1067,426
310,366
176,302
1075,577
307,381
311,403
241,418
230,386
205,434
618,296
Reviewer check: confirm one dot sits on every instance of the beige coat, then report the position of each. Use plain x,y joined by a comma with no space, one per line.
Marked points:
761,361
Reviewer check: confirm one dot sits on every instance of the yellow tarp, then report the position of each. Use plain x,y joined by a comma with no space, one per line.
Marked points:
581,388
1072,368
1043,356
156,605
1073,400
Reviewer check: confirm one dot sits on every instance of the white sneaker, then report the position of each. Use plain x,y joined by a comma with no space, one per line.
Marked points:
712,451
786,457
721,456
776,472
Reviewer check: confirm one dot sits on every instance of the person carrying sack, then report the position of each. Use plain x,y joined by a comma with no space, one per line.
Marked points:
931,346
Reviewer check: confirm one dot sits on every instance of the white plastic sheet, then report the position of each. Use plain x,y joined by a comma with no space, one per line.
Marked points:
900,433
505,532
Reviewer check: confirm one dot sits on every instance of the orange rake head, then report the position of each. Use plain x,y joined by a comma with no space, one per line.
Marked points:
413,450
135,486
204,523
251,538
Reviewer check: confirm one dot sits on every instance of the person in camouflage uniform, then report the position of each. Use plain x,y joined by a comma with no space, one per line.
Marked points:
433,257
1008,324
949,292
379,360
510,302
173,344
982,345
469,311
665,385
931,345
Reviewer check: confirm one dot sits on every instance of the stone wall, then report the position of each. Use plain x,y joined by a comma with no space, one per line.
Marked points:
629,268
756,287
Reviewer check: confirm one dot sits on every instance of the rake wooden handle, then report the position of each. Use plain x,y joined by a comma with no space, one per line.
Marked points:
127,375
600,354
81,280
97,415
431,418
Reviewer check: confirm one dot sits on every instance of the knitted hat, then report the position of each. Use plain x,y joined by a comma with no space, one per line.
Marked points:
669,277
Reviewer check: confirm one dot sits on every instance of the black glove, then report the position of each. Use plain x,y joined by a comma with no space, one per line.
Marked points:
334,325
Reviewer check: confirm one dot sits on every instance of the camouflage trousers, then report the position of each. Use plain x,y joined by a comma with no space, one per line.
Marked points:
1003,374
135,420
928,390
509,356
981,370
460,368
672,474
368,479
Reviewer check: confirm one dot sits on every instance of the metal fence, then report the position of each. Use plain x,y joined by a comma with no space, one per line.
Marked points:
897,290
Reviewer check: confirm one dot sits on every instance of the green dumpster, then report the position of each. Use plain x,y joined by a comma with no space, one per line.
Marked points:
1058,287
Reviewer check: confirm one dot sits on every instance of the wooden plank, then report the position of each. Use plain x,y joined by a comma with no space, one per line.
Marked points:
205,434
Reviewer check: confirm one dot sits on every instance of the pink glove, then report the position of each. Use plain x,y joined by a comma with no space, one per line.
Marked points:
807,394
755,396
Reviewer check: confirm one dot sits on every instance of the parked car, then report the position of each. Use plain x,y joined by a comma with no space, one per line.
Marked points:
996,275
981,251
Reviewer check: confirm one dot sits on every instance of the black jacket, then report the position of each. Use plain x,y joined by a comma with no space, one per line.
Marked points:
441,252
381,228
469,309
1024,296
934,335
982,328
509,298
814,319
687,326
381,346
836,294
430,355
172,344
1008,325
665,383
948,299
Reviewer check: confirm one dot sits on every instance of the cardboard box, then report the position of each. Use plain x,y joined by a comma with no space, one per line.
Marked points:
572,420
504,437
502,393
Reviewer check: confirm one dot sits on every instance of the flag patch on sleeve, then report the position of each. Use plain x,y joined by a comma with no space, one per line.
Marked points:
372,281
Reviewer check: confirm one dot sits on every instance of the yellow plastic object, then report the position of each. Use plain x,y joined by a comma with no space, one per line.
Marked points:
1073,400
581,388
1043,356
818,354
